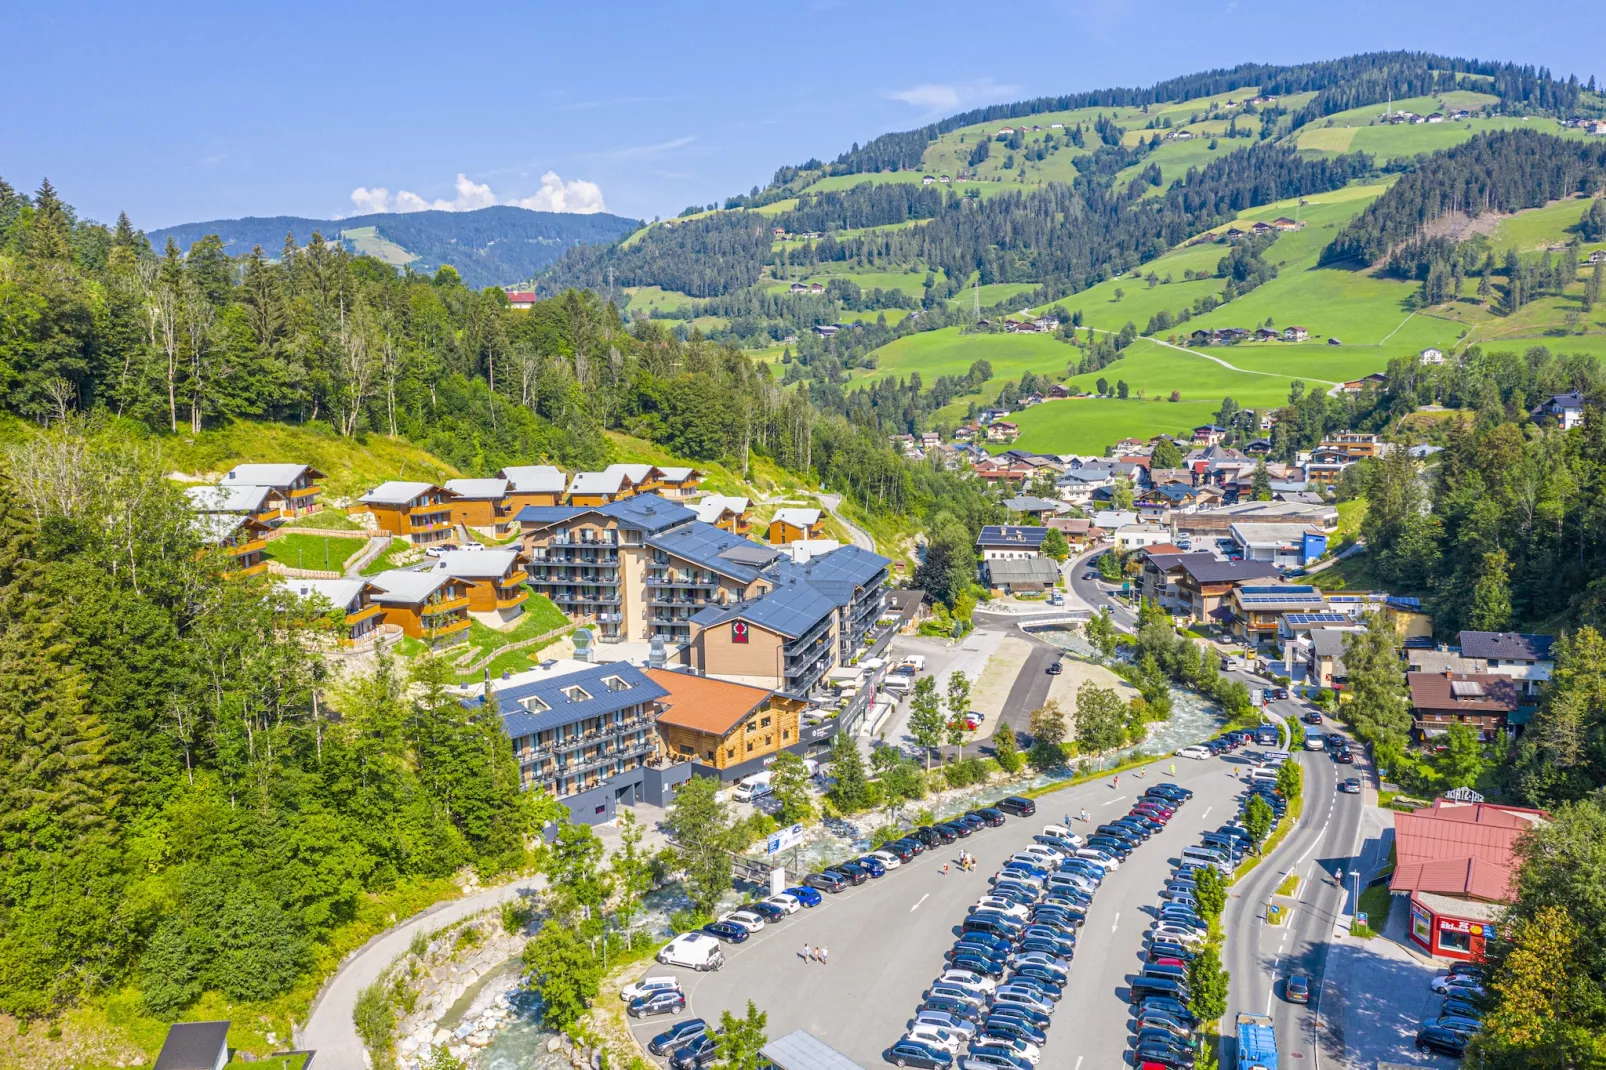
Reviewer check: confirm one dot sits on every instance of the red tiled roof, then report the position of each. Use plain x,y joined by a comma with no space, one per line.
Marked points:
1460,849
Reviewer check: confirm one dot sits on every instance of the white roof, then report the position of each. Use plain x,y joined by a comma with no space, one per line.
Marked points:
477,564
677,474
637,473
266,475
1270,534
798,518
711,507
405,587
341,593
215,527
535,478
605,482
1113,518
395,492
477,488
226,498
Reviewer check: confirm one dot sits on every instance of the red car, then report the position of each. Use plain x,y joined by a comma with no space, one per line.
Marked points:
1159,813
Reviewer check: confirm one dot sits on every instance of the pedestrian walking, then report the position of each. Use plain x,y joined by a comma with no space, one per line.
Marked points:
1067,820
945,869
808,953
1085,818
823,954
1117,783
1173,768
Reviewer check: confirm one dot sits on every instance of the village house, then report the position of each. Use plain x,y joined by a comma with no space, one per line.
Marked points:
195,1046
723,729
1002,431
1257,609
353,598
295,486
483,504
1482,700
521,300
1208,435
259,504
1010,542
430,605
1431,355
1457,861
493,581
726,512
241,538
1023,576
1205,585
1266,334
599,488
793,524
418,513
1526,659
533,484
1284,223
1295,334
1355,386
1565,409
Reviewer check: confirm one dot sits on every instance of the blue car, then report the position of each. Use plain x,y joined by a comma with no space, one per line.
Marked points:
807,896
728,931
875,868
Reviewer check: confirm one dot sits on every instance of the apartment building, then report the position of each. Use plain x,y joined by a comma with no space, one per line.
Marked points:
1525,659
295,486
586,734
420,513
493,582
484,504
429,605
1257,610
354,599
692,566
533,484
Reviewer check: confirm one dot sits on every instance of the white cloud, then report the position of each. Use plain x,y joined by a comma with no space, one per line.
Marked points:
555,195
937,97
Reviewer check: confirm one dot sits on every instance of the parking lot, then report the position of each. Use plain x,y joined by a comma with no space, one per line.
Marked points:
886,938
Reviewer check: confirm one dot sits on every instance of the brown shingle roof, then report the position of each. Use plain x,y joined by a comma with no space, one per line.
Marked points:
705,705
1462,692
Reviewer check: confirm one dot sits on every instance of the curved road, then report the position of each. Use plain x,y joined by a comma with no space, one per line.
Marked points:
859,537
329,1029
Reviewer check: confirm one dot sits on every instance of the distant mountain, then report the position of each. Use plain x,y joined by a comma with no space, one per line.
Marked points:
489,247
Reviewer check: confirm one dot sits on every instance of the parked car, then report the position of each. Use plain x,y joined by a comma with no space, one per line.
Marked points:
912,1052
873,865
647,986
974,962
943,1020
934,1036
1003,1025
1196,752
1170,1056
962,1009
1436,1038
1461,1008
958,828
787,902
850,872
678,1036
805,895
1017,805
973,819
827,881
990,815
694,1056
887,859
747,919
668,1001
728,931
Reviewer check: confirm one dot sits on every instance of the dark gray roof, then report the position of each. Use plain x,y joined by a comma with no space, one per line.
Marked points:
846,564
193,1046
1023,570
1329,642
1012,535
549,514
643,512
1506,645
562,710
1205,568
802,1050
716,550
790,610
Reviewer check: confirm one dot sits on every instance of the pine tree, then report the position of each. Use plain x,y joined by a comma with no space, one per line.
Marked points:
50,234
852,788
1592,286
1491,594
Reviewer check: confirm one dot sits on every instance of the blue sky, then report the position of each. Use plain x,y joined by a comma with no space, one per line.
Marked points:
181,113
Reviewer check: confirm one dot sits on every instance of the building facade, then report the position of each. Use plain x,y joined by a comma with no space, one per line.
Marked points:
420,513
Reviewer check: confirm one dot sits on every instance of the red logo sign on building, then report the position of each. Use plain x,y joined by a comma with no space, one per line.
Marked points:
738,631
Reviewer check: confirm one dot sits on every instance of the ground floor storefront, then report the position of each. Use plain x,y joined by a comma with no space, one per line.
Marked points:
1450,927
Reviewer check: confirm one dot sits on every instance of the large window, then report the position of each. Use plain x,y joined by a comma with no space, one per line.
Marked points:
1449,940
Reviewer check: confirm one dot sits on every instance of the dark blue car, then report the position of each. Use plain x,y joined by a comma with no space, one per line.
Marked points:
875,868
807,896
728,931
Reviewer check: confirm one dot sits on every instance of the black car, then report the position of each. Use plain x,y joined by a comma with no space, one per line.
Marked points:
995,945
959,1008
1055,668
850,873
1143,988
1461,1008
977,964
664,1001
1017,805
935,835
1032,1015
1168,1006
694,1056
677,1036
1280,693
1042,975
1436,1038
1344,757
973,819
768,911
1336,740
958,828
991,816
1119,848
1175,791
913,843
728,931
1120,831
898,849
914,1053
826,881
1060,949
1054,914
1312,718
994,924
1137,828
1165,949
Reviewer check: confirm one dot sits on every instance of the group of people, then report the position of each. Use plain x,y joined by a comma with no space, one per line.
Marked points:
967,862
814,954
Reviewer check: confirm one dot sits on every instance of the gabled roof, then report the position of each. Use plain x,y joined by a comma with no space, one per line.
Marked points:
401,587
534,479
677,473
797,518
1461,849
647,512
1023,570
1012,535
1462,692
478,488
193,1046
852,565
606,482
228,498
398,492
790,610
1327,642
1506,645
215,527
1205,568
340,593
636,473
551,514
703,704
477,564
1027,503
271,475
714,506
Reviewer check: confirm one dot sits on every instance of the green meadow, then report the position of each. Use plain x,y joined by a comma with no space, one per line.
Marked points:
947,352
644,299
1089,425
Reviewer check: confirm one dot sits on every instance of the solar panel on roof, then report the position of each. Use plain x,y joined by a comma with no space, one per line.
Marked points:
1466,689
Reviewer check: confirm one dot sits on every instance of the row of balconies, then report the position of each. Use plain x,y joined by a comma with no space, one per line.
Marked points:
573,540
682,581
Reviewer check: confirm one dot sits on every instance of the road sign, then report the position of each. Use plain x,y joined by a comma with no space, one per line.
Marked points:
780,841
1360,917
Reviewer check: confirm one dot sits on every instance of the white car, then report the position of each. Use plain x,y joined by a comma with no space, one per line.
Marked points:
1195,752
745,918
1023,1049
973,982
648,985
934,1036
1187,934
1002,905
1050,855
1108,861
788,903
1062,834
886,858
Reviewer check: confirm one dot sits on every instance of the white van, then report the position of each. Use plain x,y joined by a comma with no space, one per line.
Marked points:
1062,834
915,661
697,951
898,685
753,787
1264,775
1207,855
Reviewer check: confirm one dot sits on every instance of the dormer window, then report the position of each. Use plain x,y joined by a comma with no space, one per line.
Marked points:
615,683
535,705
576,693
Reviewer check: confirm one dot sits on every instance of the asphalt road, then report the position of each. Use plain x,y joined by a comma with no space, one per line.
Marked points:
1261,956
1095,594
886,938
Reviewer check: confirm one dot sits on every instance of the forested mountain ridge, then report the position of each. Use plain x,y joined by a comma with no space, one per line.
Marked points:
495,246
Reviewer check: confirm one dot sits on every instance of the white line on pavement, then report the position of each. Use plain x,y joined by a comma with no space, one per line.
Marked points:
922,900
1268,1000
1116,922
1112,802
1078,1065
1206,813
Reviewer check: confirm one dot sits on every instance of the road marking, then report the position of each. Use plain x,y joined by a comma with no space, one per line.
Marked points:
1268,1001
922,900
1078,1065
1116,922
1206,813
1112,802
